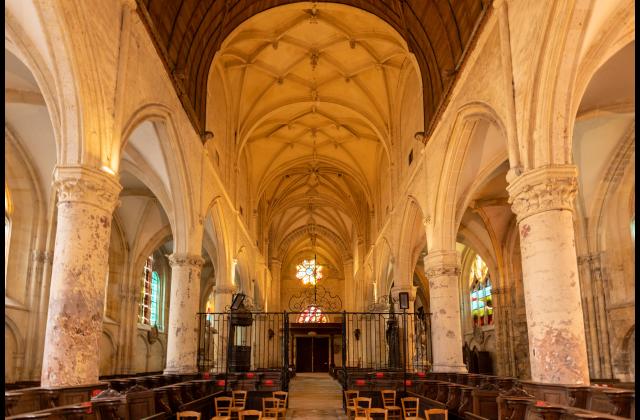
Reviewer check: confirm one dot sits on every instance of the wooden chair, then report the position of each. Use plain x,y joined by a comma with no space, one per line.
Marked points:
282,397
410,408
361,405
239,402
372,411
220,418
389,402
223,406
431,411
270,407
187,414
250,413
349,396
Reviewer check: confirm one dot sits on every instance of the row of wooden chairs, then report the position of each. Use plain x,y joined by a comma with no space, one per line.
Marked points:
273,407
242,415
360,407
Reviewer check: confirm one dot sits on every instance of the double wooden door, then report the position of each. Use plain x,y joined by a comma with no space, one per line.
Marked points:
312,354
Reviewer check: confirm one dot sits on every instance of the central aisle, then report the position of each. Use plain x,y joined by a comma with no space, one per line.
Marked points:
314,396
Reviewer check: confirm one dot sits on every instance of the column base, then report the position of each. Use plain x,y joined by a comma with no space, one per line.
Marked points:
449,369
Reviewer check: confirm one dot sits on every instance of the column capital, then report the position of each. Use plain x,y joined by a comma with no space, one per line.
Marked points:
543,189
395,291
274,261
83,184
441,263
183,259
225,289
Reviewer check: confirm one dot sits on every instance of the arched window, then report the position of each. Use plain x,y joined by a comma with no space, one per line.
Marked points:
480,291
150,302
209,306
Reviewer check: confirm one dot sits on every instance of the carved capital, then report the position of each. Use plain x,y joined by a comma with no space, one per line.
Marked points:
191,260
451,270
82,184
395,292
543,189
220,289
441,263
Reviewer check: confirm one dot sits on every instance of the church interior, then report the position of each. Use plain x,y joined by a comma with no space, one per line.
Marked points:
328,202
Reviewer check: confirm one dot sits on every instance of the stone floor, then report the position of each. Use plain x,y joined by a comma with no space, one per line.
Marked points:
315,396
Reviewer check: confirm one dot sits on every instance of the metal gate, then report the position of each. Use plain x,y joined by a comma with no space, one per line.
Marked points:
264,341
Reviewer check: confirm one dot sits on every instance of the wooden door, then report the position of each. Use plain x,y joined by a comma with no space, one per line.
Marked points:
321,354
304,354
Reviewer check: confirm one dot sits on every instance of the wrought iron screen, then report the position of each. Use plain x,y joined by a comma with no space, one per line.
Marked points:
369,340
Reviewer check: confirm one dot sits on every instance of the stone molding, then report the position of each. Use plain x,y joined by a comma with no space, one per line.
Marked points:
441,263
225,289
180,260
82,184
543,189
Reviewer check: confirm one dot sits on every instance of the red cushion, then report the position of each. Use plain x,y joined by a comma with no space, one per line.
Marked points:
421,374
379,375
408,382
359,381
220,382
250,374
268,382
206,375
95,392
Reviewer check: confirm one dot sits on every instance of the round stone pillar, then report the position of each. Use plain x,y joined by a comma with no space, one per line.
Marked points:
274,290
542,200
86,200
182,335
442,271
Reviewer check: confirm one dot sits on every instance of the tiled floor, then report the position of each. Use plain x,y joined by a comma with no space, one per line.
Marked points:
315,396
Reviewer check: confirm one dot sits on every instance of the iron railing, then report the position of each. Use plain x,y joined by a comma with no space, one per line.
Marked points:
368,340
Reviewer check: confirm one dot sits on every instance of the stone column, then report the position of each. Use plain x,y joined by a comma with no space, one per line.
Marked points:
349,285
275,266
182,334
543,200
86,200
442,271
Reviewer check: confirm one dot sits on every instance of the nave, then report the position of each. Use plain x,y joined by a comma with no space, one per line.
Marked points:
315,396
207,197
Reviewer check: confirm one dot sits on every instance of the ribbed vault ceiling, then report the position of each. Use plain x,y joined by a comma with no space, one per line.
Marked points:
188,33
311,92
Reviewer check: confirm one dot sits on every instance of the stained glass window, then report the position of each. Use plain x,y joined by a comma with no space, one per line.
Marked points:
309,272
312,314
150,304
209,306
155,292
480,291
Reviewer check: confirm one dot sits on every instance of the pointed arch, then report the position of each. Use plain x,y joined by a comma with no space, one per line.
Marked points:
441,231
184,215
